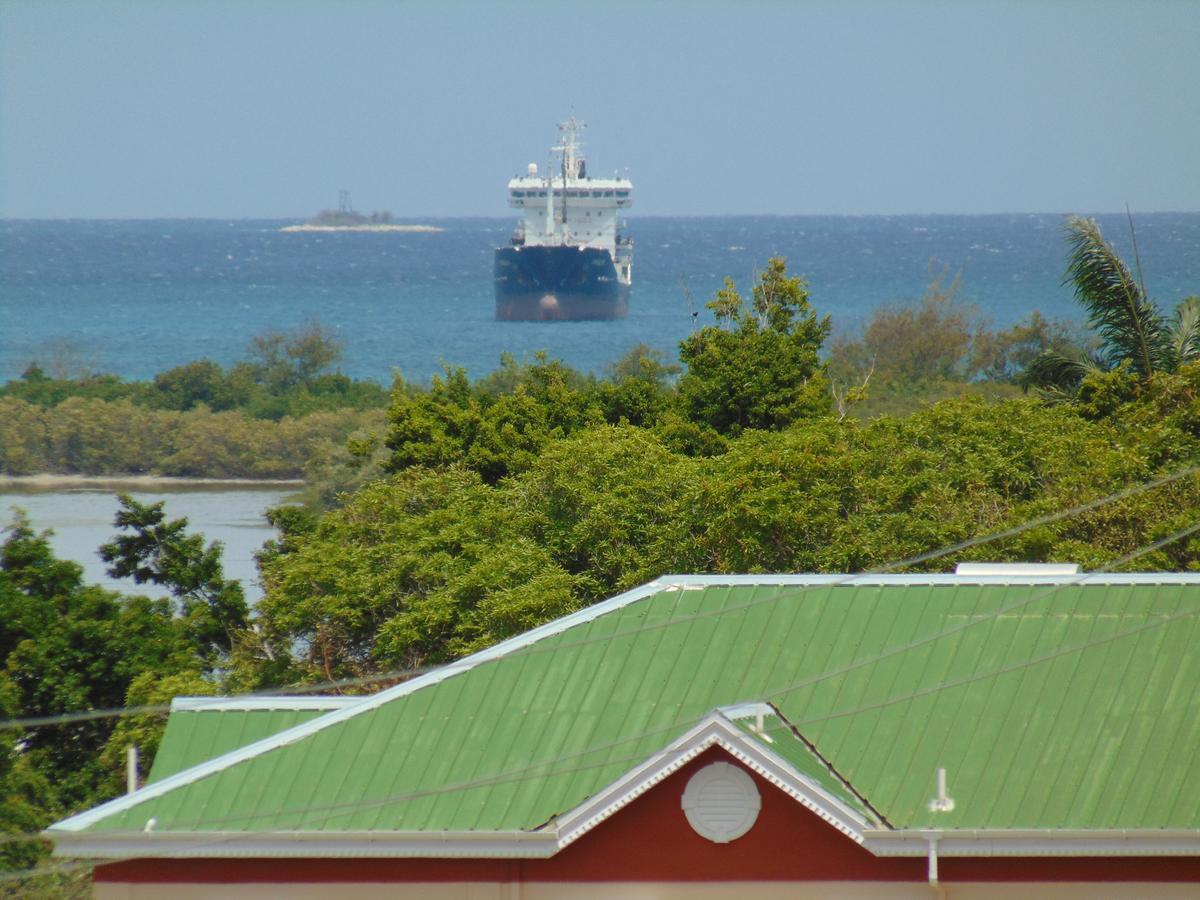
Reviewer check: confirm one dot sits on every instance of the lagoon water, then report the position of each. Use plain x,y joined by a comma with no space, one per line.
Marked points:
137,297
82,519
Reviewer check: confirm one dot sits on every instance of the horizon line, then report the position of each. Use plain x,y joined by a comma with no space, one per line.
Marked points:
734,215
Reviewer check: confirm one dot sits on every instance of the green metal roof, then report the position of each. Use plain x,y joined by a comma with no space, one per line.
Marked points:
209,727
1068,704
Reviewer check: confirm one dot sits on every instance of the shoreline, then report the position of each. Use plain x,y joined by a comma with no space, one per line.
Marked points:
53,482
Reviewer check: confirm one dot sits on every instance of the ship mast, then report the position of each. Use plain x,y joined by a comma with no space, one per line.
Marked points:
568,149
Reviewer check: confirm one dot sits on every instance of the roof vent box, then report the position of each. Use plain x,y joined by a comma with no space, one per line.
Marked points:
1017,570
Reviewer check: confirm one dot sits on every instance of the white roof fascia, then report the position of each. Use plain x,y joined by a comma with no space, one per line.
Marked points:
268,844
260,703
678,582
714,730
1034,842
298,732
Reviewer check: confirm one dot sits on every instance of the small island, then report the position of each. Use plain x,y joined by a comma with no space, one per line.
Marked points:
346,218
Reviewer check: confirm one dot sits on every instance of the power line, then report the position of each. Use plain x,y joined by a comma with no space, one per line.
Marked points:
531,770
554,767
404,674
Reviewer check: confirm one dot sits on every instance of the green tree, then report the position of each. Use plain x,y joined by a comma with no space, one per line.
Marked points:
201,382
760,366
496,427
70,647
282,360
27,798
434,427
161,552
638,389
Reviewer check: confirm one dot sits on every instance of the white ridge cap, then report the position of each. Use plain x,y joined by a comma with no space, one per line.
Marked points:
263,702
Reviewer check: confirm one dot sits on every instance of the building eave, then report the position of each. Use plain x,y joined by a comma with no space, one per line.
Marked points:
299,844
1048,842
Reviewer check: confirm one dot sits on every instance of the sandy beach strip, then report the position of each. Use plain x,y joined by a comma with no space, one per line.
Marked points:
52,482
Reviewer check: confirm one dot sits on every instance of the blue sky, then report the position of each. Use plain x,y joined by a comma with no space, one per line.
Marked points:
264,108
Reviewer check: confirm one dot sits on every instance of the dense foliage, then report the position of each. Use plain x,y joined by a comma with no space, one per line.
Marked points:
101,437
492,506
263,418
70,647
286,373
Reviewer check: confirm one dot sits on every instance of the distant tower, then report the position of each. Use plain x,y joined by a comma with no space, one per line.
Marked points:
344,201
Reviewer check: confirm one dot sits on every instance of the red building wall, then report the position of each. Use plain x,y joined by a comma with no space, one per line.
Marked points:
651,840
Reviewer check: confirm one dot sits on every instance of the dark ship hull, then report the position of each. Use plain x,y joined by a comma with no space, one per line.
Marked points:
547,283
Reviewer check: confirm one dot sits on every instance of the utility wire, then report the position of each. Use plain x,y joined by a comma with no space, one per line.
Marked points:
405,674
533,770
527,772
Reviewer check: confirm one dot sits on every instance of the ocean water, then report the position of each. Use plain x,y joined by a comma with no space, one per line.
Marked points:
137,297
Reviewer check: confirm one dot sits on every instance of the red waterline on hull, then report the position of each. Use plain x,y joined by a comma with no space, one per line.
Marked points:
559,308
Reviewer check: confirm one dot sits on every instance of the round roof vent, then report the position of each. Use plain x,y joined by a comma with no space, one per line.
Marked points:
721,802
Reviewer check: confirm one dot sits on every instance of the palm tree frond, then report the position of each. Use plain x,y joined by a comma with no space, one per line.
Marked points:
1055,374
1185,330
1129,324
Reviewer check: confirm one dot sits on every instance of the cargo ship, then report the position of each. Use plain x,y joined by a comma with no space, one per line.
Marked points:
568,258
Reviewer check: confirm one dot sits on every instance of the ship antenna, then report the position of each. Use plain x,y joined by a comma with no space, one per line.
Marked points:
566,233
569,148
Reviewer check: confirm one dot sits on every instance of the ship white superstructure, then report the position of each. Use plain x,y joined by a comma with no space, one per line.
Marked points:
568,258
565,205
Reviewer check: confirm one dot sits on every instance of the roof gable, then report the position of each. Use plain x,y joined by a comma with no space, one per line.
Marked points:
809,782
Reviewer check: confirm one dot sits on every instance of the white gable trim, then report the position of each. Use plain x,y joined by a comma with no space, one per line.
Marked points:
714,730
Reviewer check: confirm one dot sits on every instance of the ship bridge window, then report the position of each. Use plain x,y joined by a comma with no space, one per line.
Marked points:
622,193
597,193
608,193
518,193
541,193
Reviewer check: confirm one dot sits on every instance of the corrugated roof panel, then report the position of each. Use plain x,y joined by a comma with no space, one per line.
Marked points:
195,735
784,743
1043,711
